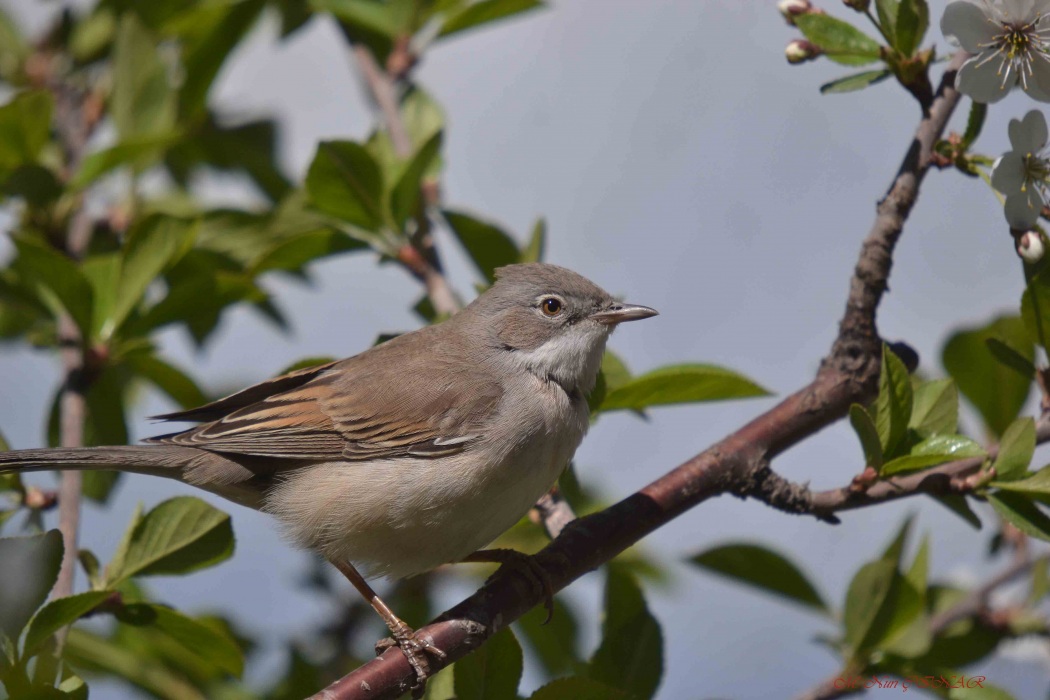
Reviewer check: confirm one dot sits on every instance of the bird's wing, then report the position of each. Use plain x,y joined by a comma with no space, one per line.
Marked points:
388,402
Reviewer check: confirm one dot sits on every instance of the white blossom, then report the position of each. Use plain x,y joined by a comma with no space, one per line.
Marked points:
1010,43
1030,247
1022,173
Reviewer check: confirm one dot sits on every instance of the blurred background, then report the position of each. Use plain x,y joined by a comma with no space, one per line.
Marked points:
679,161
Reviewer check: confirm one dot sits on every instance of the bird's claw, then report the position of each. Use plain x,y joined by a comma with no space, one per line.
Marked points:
415,648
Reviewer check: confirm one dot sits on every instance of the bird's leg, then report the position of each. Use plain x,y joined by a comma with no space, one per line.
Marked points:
524,565
414,647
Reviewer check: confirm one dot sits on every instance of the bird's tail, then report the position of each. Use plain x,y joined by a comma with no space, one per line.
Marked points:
189,465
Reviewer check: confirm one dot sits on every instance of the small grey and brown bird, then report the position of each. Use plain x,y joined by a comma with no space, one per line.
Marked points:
412,454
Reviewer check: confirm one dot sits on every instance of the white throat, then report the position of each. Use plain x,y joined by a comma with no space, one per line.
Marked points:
571,358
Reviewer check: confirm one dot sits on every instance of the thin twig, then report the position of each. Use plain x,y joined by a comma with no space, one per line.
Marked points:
734,465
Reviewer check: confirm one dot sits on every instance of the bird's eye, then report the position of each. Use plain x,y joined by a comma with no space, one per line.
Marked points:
551,306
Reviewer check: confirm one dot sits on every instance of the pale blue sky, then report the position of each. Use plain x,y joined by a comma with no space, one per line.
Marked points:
681,162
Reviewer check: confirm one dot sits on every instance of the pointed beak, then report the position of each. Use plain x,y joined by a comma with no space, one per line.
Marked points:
618,313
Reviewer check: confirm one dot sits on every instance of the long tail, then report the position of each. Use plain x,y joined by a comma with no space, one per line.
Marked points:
189,465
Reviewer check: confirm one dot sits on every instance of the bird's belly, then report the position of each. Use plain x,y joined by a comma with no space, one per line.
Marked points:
403,516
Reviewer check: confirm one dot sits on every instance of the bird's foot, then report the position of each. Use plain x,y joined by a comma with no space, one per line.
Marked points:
415,648
525,565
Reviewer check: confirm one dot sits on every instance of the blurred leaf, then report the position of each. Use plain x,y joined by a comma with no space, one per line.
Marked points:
1016,450
961,507
93,34
178,536
630,655
1037,483
841,41
533,250
346,182
907,23
867,593
294,253
492,672
1020,511
935,408
864,426
854,82
142,101
13,47
933,451
488,246
893,405
996,391
485,12
764,569
554,643
301,676
576,688
57,614
136,150
895,549
29,572
36,184
169,379
680,384
370,15
1035,308
56,280
984,691
25,124
205,641
205,54
405,195
1010,357
974,123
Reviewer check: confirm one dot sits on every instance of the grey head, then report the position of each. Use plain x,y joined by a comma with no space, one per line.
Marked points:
550,321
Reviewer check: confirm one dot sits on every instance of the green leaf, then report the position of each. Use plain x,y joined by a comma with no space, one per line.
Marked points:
974,123
533,250
142,101
680,384
1020,511
169,379
984,691
29,572
180,535
25,124
154,245
56,280
137,151
910,25
867,593
933,451
895,549
887,13
1035,307
57,614
406,193
554,643
492,672
488,246
612,375
996,391
206,641
1015,450
1011,358
346,182
293,253
841,41
935,408
893,405
630,655
864,427
1037,483
576,688
369,15
485,12
764,569
855,81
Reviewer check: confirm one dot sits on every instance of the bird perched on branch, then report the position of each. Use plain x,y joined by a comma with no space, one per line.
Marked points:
412,454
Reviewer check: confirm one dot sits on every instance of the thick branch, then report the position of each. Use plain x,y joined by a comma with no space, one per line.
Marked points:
734,465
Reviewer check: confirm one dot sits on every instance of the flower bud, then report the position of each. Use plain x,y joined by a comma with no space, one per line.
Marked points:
791,9
1030,247
858,5
800,51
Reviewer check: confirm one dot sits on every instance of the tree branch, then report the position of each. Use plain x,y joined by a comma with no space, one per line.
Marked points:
734,465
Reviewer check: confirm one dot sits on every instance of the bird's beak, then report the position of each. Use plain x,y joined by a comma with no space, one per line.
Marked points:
618,313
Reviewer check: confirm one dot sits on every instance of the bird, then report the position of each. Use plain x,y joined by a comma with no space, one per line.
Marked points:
415,453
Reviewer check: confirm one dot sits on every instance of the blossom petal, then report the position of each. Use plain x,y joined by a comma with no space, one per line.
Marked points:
1020,213
1028,135
1008,173
983,84
967,25
1040,78
1019,11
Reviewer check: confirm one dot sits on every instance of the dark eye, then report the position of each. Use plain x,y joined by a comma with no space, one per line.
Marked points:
551,306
